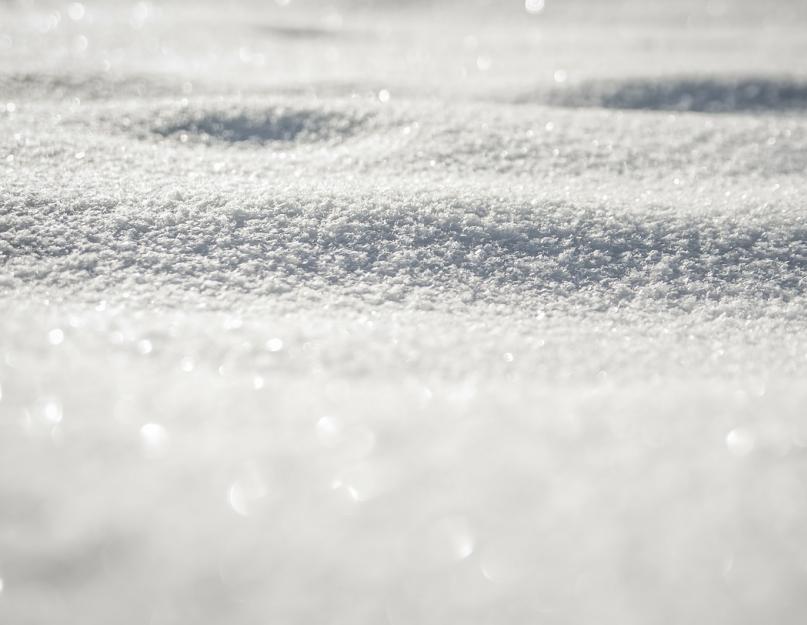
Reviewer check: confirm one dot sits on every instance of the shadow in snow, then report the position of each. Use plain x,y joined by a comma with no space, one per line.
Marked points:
53,87
302,32
696,94
259,125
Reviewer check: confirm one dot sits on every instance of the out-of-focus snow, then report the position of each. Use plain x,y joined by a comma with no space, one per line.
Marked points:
408,313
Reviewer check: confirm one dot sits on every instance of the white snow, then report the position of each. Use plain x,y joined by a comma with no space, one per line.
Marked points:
405,312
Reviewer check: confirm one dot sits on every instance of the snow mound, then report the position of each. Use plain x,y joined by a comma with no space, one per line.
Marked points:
697,94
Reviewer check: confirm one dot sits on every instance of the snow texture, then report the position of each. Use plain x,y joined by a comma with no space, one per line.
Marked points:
408,312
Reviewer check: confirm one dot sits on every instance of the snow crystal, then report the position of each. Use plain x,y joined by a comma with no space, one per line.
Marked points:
55,336
154,438
534,6
740,442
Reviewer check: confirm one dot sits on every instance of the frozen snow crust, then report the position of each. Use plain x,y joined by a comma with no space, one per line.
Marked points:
400,313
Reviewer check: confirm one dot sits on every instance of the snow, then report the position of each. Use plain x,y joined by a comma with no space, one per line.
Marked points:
404,313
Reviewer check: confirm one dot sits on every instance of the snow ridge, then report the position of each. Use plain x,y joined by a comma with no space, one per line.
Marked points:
501,248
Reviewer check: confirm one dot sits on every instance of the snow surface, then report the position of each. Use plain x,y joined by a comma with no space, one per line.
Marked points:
406,312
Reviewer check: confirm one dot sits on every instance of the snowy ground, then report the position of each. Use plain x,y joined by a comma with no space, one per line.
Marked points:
406,312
